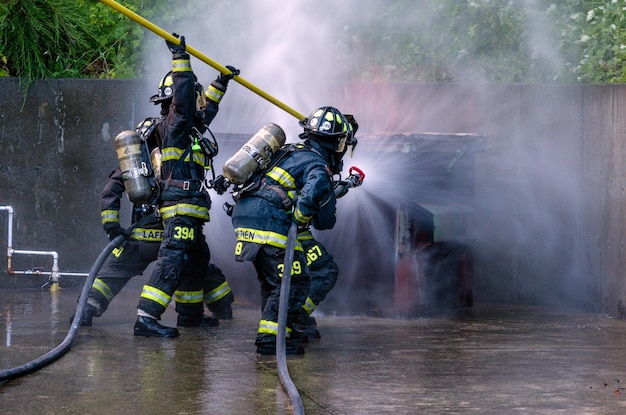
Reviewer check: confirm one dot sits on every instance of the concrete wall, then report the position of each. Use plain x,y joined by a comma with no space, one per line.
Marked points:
56,151
548,188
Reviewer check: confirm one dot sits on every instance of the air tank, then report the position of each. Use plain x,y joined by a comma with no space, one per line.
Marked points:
255,154
134,169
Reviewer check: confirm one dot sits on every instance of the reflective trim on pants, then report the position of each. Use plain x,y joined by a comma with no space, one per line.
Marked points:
188,297
309,306
103,289
217,294
156,295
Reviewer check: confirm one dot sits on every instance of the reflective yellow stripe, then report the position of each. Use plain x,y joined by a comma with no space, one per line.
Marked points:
156,295
148,235
188,297
264,238
261,237
171,153
175,153
110,215
217,293
271,327
181,65
103,289
268,327
200,159
185,209
297,215
214,94
305,236
309,306
282,176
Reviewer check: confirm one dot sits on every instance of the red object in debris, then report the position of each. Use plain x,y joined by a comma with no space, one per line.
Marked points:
406,293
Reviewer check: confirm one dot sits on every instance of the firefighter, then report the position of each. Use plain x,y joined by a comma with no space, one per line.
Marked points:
323,268
134,255
295,187
183,202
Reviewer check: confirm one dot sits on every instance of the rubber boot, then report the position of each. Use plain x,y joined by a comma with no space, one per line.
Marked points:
149,327
88,313
307,325
204,321
267,347
224,313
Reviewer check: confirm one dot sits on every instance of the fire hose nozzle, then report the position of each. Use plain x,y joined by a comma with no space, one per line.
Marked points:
356,176
355,179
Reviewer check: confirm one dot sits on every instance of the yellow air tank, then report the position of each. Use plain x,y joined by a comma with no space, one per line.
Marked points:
255,154
134,169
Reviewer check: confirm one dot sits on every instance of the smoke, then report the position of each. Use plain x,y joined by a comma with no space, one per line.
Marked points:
304,53
294,51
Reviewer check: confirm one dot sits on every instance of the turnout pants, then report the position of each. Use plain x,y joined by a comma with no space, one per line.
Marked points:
183,251
324,272
269,263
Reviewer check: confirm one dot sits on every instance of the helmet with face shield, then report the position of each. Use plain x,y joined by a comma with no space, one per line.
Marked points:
165,90
332,130
327,126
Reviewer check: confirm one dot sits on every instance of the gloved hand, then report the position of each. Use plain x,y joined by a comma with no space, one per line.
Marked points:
177,49
302,226
341,188
114,229
224,78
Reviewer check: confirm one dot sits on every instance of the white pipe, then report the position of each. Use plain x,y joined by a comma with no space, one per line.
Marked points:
10,236
54,274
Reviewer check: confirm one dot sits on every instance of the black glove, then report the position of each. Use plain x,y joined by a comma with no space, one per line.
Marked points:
224,78
177,49
341,188
114,230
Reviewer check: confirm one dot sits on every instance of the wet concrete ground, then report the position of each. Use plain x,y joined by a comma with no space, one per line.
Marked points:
492,360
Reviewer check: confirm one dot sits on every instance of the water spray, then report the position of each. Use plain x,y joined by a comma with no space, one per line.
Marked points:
171,38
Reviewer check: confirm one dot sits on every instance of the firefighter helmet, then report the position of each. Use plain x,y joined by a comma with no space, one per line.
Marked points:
166,89
329,127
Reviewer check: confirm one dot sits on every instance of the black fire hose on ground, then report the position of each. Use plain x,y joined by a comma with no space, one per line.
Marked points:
283,305
62,348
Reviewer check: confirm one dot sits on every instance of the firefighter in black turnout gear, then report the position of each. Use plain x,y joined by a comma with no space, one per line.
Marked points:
134,255
183,202
295,187
141,247
322,266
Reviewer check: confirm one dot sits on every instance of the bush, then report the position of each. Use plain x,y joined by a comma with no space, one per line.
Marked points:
397,40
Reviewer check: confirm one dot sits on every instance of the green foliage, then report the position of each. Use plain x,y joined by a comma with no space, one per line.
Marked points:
600,32
448,40
398,40
491,40
118,40
44,38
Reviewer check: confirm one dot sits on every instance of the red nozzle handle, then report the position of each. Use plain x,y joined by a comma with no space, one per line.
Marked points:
359,172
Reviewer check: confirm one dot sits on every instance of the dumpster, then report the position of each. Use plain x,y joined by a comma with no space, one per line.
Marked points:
403,240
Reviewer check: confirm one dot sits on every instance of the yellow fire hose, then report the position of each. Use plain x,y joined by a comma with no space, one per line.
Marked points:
170,38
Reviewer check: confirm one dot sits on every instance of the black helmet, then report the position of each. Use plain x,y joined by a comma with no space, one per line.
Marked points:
329,127
166,89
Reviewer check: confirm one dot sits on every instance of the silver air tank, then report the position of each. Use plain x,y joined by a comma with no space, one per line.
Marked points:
134,169
255,154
